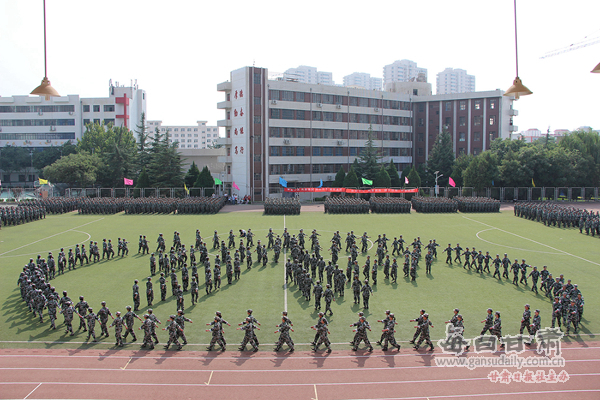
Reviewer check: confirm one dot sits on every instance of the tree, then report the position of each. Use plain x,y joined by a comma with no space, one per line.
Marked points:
192,175
205,179
75,169
382,178
482,170
143,180
339,178
49,155
441,156
164,166
368,161
13,159
460,164
393,174
413,178
351,180
143,155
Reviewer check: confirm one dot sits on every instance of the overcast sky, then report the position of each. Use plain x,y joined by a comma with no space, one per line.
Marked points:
178,51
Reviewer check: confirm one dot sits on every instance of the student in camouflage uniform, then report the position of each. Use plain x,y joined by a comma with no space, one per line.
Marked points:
424,327
216,328
149,291
52,305
536,325
82,308
496,329
284,329
488,322
103,315
419,321
388,330
322,330
249,335
556,312
128,321
361,333
118,324
526,320
573,317
91,322
163,287
174,332
367,292
328,296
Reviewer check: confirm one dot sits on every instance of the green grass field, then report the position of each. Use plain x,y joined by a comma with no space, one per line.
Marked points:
262,289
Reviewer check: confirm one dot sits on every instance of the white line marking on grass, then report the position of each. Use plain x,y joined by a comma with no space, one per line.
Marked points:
58,248
531,240
510,247
56,234
32,391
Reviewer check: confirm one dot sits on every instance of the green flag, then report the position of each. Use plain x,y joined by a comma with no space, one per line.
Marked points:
366,181
218,181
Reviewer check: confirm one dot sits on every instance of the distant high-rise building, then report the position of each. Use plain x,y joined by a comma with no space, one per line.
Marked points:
454,81
198,136
305,74
363,80
402,71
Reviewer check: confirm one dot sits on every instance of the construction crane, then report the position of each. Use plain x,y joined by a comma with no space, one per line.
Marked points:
587,41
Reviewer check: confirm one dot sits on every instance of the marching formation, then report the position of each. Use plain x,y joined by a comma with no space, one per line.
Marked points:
434,204
477,204
389,205
554,214
280,206
24,212
346,205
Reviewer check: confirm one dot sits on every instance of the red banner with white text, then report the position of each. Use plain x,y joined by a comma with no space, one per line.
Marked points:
348,190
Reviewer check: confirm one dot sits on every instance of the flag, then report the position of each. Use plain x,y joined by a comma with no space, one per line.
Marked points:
236,187
451,182
186,188
321,185
218,181
282,182
43,181
128,182
366,181
532,182
406,180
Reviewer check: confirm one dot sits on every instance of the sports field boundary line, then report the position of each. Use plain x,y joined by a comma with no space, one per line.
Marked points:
225,385
531,240
48,237
459,396
33,391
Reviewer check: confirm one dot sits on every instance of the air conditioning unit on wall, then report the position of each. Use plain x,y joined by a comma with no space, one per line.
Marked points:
286,141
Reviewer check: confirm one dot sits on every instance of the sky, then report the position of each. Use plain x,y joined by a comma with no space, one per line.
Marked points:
179,51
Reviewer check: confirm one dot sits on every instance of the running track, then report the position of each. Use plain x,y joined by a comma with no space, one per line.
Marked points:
125,374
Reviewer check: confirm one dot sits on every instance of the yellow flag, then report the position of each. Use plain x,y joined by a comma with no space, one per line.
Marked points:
186,189
43,181
532,182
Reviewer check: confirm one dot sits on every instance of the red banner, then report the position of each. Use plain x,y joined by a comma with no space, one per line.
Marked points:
348,190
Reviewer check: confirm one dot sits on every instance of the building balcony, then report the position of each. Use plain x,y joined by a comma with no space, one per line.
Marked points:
224,141
513,128
224,87
224,123
223,105
513,112
224,159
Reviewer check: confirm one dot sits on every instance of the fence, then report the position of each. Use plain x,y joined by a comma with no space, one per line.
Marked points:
503,194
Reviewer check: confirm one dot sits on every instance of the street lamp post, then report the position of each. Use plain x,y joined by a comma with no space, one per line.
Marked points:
437,176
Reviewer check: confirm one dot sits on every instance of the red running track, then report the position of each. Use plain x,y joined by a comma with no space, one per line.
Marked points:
124,374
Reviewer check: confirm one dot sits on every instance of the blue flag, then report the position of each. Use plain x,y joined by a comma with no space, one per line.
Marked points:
321,185
282,182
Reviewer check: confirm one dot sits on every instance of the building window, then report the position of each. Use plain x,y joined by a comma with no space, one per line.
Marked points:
461,151
86,121
493,104
228,114
274,94
475,152
477,136
86,108
316,151
420,136
275,113
448,106
463,105
96,120
287,95
299,151
300,115
448,120
287,114
477,120
300,133
258,176
316,169
228,97
257,119
478,104
300,96
353,151
109,121
328,151
109,108
257,158
339,152
257,82
256,101
420,151
274,151
96,108
493,120
256,139
461,137
462,121
275,132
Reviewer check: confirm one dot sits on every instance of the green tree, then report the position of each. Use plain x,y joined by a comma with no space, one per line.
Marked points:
414,179
441,156
460,164
481,171
192,175
382,178
351,180
49,155
368,161
587,144
339,178
14,159
393,174
143,146
143,180
164,166
79,169
205,179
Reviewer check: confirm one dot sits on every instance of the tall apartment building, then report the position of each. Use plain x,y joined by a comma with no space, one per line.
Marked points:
34,122
307,132
454,81
402,71
200,136
304,74
363,80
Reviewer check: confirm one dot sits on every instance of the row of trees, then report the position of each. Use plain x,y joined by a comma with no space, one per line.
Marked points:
573,161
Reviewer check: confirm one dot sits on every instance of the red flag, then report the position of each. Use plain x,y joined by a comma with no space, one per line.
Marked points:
451,182
235,186
128,182
406,180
